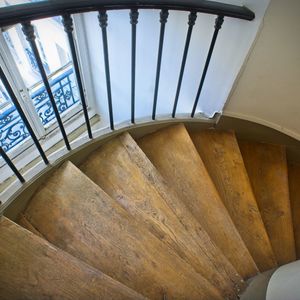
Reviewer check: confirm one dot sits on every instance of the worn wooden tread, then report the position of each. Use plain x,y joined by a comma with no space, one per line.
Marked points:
74,214
222,157
267,169
173,153
294,188
126,174
24,223
31,268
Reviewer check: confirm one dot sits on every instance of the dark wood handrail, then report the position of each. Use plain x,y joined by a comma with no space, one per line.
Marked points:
32,11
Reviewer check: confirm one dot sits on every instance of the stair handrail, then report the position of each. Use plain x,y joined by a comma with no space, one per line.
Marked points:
26,12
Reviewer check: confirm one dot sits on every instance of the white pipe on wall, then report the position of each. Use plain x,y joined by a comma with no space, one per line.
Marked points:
285,283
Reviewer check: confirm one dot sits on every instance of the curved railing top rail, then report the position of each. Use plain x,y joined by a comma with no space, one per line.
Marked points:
32,11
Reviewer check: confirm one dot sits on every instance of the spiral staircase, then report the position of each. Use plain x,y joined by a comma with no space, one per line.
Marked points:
164,202
176,214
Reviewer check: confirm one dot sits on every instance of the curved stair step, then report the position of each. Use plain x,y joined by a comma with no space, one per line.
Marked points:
123,171
294,188
31,268
267,170
173,153
74,214
222,157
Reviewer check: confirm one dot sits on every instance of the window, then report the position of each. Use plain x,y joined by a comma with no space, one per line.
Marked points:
12,128
54,51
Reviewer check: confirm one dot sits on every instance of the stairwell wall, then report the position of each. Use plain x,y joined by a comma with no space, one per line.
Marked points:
233,44
268,89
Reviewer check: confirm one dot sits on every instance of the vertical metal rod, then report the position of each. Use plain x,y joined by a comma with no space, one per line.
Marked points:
11,165
191,23
218,25
68,26
28,31
22,115
163,20
134,14
103,24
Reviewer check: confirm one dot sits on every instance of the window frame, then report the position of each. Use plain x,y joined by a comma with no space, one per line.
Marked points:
22,93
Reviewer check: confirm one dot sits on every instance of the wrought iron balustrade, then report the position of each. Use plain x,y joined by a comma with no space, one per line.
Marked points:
12,129
57,94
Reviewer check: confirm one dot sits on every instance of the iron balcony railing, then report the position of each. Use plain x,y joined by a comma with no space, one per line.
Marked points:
63,86
27,13
12,128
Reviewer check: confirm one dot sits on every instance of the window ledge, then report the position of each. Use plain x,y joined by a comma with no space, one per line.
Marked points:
28,155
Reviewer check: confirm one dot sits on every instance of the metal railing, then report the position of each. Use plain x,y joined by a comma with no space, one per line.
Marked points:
64,90
12,128
26,13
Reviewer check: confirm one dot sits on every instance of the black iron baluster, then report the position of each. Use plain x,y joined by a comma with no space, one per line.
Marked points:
11,165
163,20
191,23
28,31
22,115
134,15
218,25
68,26
103,24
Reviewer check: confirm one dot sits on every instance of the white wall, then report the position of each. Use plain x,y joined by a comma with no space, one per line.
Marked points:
268,91
234,41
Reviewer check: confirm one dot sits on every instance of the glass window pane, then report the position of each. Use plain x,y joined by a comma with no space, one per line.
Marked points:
22,55
12,129
64,90
54,51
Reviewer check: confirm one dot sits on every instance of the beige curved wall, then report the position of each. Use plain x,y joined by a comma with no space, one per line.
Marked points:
268,90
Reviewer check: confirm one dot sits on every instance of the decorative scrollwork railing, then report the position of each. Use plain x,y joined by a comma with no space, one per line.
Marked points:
64,91
12,129
63,85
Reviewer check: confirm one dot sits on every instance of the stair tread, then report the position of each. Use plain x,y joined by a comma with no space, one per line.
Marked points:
172,151
294,188
77,216
267,169
223,160
123,171
24,223
31,268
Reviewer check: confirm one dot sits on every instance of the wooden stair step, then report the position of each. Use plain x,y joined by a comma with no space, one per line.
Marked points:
123,171
267,169
221,155
31,268
294,189
24,223
76,215
173,153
